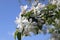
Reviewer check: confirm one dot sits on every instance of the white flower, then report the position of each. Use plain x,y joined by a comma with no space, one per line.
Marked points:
20,27
30,20
33,8
35,3
58,3
25,21
38,12
18,20
20,14
34,23
23,7
54,2
40,5
57,21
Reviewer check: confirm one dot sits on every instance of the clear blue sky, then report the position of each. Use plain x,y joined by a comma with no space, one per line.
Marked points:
9,9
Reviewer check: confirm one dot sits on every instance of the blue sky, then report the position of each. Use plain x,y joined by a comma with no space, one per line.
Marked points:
9,9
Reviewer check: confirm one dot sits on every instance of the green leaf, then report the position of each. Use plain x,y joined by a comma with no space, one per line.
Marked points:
19,36
28,14
51,7
15,34
58,15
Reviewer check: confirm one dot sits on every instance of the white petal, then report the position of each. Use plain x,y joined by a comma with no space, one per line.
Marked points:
25,7
17,21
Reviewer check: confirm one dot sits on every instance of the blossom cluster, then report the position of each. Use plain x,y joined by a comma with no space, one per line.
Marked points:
27,20
39,18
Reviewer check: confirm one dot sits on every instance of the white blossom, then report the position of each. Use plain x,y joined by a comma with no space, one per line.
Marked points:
25,21
23,7
34,9
40,5
54,2
18,20
57,21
